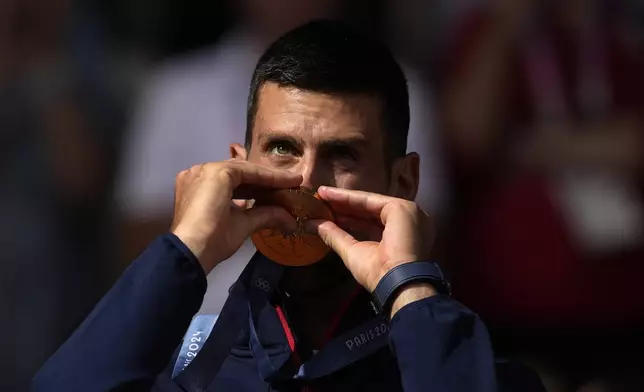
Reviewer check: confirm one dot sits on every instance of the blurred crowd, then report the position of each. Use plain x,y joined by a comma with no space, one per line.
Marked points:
528,116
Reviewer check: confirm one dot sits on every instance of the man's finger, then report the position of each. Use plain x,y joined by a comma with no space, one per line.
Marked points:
267,217
355,203
261,176
361,229
250,192
333,236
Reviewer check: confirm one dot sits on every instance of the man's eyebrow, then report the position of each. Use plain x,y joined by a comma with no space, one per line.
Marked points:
272,136
350,142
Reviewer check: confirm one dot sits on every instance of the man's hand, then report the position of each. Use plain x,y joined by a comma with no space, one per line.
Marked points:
207,220
407,236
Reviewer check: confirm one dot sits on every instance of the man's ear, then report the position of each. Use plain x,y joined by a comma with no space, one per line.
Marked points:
238,152
405,175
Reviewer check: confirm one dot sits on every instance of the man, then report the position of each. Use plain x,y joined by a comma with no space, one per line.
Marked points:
328,109
172,128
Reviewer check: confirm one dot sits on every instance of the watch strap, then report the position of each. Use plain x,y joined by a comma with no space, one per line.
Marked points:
405,274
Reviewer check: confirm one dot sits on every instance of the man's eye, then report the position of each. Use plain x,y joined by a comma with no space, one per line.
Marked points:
280,150
345,154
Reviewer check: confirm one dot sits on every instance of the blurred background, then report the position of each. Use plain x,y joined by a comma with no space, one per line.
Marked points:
528,115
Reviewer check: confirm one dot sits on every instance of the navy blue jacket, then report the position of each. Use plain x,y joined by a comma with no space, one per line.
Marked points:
129,342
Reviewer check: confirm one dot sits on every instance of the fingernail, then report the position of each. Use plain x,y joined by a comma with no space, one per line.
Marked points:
311,225
331,189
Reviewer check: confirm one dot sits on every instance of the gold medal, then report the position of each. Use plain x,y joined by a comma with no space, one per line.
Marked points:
296,248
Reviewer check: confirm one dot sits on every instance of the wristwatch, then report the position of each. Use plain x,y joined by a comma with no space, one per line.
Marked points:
402,275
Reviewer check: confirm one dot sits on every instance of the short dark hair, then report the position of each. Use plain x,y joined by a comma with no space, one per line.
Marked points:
331,57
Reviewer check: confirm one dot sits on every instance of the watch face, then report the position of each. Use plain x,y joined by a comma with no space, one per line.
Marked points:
297,248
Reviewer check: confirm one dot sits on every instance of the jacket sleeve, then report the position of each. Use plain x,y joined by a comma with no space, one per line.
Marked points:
131,334
441,346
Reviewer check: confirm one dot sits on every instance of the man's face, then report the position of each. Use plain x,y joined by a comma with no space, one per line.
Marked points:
330,140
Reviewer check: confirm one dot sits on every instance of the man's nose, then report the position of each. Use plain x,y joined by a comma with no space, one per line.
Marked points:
315,173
